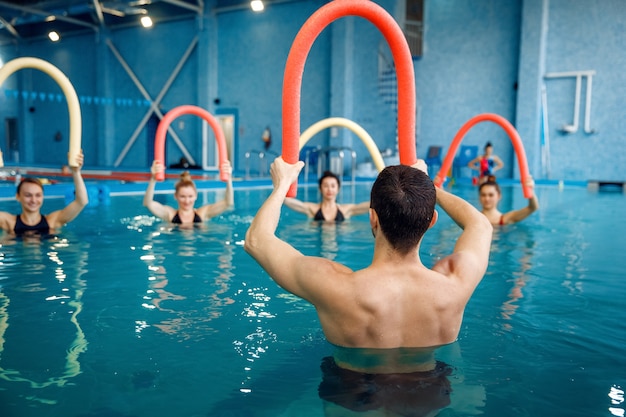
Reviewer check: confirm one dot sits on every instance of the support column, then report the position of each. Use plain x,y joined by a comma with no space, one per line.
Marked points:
534,31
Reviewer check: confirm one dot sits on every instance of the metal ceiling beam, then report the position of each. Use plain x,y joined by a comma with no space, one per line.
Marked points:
197,9
44,13
154,104
98,7
9,27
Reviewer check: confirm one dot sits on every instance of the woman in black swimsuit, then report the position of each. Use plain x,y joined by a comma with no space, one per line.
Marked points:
328,209
186,195
30,196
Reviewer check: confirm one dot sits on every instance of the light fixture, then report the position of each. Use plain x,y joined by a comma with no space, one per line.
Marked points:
54,36
257,5
146,21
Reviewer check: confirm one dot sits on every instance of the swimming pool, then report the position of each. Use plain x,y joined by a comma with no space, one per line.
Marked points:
123,315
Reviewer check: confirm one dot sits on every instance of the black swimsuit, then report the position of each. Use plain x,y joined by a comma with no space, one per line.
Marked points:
22,228
196,218
320,216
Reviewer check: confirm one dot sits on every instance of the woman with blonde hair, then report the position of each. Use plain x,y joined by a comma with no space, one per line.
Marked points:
186,195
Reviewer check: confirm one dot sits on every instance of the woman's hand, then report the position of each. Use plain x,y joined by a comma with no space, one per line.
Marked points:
157,167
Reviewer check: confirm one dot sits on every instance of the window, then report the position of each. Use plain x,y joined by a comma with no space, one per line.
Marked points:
414,26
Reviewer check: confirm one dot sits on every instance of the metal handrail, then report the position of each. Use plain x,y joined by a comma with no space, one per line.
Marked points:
325,152
262,161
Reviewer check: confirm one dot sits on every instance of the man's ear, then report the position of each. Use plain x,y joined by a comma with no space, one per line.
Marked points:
374,225
434,219
373,219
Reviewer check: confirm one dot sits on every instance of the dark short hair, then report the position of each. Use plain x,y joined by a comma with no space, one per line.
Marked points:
328,174
491,183
404,199
29,180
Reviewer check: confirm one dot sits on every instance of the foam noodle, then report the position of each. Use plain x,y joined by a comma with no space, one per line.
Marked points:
294,69
73,105
518,146
161,133
354,127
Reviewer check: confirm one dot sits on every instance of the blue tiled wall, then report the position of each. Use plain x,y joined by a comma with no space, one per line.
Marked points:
479,56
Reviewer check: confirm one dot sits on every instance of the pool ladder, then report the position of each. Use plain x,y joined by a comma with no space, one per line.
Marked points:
261,156
326,161
321,158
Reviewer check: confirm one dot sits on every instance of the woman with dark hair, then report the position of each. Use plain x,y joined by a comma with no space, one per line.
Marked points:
486,164
30,195
186,195
490,194
328,209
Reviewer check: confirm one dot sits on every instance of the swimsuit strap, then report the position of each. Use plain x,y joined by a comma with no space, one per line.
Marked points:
196,218
319,216
20,227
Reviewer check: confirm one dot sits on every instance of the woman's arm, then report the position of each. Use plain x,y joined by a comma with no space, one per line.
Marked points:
498,163
350,210
7,221
533,205
301,207
212,210
60,217
162,211
474,163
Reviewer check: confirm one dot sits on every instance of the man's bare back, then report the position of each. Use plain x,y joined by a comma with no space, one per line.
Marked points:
396,302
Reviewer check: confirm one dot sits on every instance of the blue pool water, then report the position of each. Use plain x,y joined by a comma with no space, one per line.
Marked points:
123,315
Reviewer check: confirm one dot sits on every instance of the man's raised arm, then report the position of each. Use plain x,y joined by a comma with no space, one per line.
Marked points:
471,252
277,257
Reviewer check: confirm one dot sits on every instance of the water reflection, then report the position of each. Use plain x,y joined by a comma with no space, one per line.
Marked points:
256,309
26,307
616,394
328,239
520,262
176,269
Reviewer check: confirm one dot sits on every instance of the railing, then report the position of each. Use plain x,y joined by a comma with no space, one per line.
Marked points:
262,161
311,157
325,153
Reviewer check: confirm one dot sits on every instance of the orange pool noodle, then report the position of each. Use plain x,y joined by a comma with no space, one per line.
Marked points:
294,69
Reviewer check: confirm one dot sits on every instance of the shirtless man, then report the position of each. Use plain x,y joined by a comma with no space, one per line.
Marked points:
396,302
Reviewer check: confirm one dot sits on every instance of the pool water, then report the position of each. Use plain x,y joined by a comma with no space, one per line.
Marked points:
121,314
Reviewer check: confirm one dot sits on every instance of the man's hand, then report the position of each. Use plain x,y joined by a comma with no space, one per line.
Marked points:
421,165
284,174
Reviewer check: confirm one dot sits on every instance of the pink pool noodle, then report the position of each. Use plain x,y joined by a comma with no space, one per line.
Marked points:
159,141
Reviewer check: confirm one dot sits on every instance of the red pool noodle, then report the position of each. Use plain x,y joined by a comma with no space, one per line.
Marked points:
294,69
518,146
159,141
